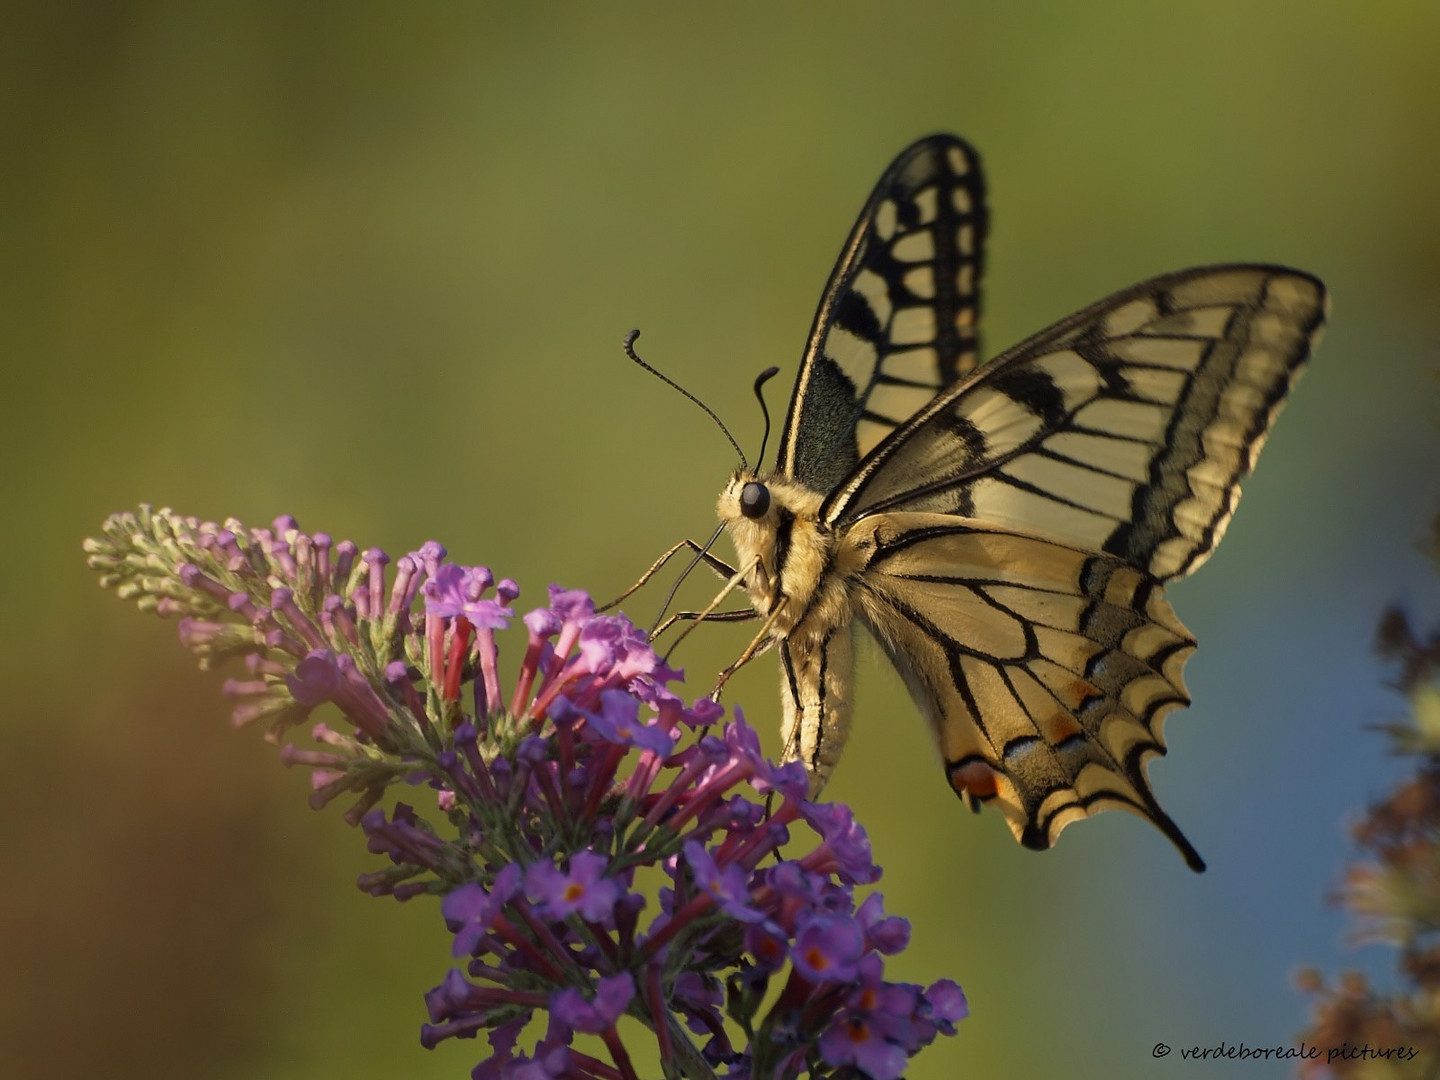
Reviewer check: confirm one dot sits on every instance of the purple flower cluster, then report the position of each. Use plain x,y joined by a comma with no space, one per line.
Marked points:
601,850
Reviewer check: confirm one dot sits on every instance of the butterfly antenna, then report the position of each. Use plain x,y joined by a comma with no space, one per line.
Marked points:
630,352
760,381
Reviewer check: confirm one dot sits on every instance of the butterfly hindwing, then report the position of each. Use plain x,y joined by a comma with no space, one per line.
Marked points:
1045,671
1125,429
898,319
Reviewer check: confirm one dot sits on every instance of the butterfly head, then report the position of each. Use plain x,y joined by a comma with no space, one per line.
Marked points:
765,503
774,523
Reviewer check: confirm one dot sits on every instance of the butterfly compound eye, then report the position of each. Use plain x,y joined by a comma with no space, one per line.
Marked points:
754,500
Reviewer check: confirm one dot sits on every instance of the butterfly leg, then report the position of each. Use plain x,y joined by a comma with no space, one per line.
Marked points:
721,568
738,615
737,579
758,645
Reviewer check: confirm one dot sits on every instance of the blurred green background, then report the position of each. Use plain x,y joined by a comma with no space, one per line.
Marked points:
370,264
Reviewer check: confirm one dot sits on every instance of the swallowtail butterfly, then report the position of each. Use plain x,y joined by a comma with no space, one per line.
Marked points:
1006,530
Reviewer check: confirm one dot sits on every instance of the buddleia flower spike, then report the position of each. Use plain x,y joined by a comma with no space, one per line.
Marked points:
597,852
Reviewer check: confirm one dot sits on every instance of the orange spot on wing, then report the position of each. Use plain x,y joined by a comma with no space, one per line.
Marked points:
973,778
1057,727
1076,692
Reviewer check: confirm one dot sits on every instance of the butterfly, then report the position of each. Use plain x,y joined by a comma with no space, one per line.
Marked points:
1005,531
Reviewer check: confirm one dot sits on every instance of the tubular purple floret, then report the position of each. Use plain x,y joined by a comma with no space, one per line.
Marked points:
735,829
711,789
559,679
195,578
241,604
282,711
430,555
360,598
330,790
771,837
358,700
612,994
541,624
376,559
384,882
324,734
457,994
324,571
671,713
283,601
597,779
290,754
345,553
276,639
323,778
466,784
258,664
197,634
397,677
283,559
480,580
642,779
403,838
336,621
527,770
235,560
467,743
411,889
432,1035
574,609
402,589
702,758
240,688
302,547
372,790
488,655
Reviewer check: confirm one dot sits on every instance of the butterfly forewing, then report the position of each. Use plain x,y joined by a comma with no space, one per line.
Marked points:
1124,429
898,320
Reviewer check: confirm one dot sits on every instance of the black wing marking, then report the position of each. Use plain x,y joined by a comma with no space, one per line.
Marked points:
898,320
1123,429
